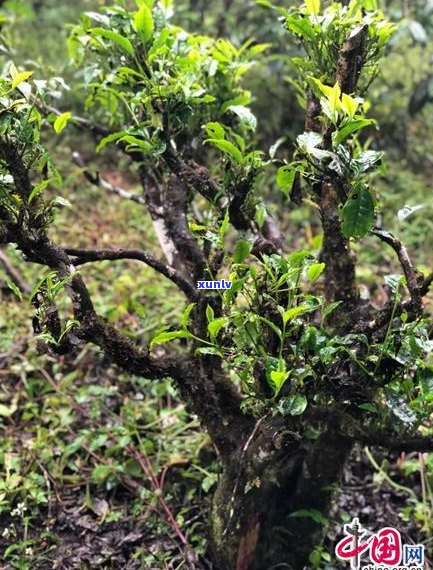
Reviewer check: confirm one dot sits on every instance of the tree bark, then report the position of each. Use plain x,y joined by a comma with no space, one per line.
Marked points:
276,473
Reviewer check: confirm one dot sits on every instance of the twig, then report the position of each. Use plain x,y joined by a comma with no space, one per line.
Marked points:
385,475
82,256
97,180
194,175
413,282
146,467
13,273
157,209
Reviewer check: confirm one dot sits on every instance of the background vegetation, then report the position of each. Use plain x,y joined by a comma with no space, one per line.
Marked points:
73,491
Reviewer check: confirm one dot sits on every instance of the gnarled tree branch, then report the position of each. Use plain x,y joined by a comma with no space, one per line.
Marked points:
213,398
413,280
81,256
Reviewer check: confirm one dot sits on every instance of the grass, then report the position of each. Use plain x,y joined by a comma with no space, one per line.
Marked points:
124,450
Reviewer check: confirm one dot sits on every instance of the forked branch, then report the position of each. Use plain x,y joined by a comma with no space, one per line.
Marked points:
414,282
199,179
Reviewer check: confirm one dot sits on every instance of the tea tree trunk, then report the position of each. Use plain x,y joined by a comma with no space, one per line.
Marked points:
263,485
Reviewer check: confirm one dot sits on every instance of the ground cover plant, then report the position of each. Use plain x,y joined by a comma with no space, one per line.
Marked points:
289,368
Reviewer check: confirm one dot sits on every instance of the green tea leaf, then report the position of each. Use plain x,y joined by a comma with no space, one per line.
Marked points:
351,128
313,7
316,516
210,314
245,115
276,373
38,189
315,557
242,251
215,326
224,225
168,336
61,121
261,215
273,326
59,201
185,317
265,3
14,288
326,90
228,148
109,139
367,159
358,213
215,130
295,312
334,97
369,407
285,178
300,27
20,77
134,141
277,380
114,37
330,308
270,365
143,23
394,281
294,405
349,104
274,148
315,271
407,211
309,142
